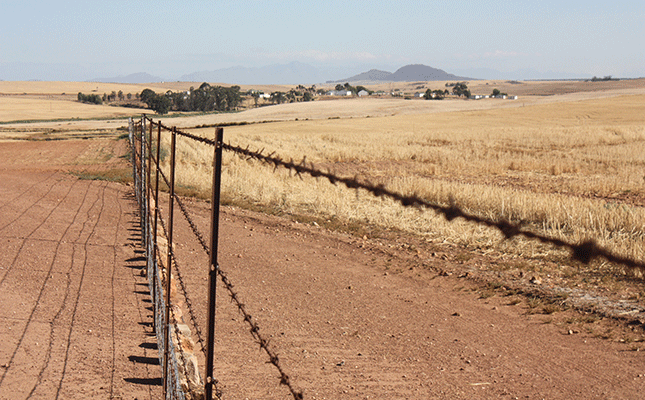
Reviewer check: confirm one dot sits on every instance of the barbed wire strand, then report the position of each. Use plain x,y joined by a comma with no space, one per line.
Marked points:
189,304
218,391
584,252
254,327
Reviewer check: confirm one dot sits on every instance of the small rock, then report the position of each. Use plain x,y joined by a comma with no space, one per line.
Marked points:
535,280
340,364
456,314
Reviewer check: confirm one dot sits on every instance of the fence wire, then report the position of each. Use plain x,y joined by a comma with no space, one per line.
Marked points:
137,136
584,252
254,328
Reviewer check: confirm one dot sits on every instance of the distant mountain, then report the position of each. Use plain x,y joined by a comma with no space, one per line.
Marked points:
292,73
371,75
140,77
408,73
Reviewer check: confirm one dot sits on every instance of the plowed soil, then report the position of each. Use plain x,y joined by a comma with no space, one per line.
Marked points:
348,318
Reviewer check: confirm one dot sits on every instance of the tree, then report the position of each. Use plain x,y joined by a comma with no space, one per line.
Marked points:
358,88
496,92
307,96
147,95
120,95
233,97
350,88
339,87
433,94
277,97
256,96
89,98
461,89
160,104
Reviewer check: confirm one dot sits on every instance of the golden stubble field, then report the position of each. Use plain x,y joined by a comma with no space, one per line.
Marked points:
571,168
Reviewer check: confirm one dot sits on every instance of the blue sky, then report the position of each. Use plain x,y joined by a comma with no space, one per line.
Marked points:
79,40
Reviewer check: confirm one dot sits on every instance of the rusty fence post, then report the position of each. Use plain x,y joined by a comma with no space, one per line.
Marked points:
155,272
142,182
149,258
166,326
214,266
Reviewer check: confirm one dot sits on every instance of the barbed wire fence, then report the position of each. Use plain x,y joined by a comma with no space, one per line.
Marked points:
173,357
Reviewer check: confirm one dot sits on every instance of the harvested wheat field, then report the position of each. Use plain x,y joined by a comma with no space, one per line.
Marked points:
360,297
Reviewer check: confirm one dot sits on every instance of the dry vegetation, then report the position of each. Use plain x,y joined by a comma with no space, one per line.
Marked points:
572,170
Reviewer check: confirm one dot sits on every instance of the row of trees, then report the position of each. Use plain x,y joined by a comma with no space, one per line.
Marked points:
603,79
96,99
205,98
352,89
435,94
89,98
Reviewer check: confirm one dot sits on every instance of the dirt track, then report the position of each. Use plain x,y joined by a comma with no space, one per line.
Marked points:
349,320
74,316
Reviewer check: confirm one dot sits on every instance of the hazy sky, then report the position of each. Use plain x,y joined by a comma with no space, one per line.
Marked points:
87,39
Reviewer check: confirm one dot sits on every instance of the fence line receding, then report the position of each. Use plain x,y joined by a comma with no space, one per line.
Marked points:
181,377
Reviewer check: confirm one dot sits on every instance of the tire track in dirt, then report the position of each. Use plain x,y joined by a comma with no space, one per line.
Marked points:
44,283
12,200
40,294
80,287
63,302
41,224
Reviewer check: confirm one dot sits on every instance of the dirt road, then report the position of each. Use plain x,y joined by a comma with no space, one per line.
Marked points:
348,318
74,316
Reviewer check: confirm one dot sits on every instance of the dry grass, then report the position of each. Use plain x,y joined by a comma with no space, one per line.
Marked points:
41,108
572,170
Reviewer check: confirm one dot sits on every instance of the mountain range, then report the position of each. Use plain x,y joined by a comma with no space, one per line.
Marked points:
408,73
291,73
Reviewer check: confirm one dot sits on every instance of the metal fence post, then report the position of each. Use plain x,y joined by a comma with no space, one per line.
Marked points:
166,327
214,266
142,180
149,255
155,274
